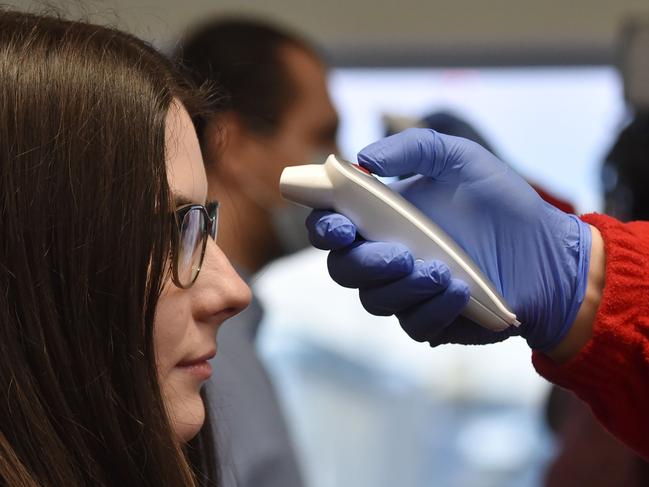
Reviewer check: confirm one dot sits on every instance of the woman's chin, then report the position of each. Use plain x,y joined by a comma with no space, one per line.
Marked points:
187,416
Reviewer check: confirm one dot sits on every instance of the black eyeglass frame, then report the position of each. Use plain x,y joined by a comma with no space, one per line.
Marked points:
210,213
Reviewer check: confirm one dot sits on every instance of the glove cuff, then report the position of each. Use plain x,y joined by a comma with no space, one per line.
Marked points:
583,266
578,285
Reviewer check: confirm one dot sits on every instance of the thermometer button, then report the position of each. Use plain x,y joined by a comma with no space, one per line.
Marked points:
362,169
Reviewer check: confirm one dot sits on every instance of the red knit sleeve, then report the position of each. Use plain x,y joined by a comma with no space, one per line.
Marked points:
611,373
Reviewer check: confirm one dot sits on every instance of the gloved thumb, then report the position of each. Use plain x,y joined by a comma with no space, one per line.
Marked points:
420,151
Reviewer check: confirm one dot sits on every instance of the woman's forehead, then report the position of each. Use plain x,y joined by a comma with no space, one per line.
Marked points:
185,169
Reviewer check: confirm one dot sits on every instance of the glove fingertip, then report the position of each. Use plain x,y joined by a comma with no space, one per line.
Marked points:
372,159
398,154
330,231
339,231
370,162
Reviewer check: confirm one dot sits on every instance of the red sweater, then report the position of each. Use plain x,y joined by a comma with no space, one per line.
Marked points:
611,373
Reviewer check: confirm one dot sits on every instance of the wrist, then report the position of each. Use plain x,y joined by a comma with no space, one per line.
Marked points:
582,327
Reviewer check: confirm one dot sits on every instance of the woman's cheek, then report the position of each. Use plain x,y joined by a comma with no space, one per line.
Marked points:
180,393
169,330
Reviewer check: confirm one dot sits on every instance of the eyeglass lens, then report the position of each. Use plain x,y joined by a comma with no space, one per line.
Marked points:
192,231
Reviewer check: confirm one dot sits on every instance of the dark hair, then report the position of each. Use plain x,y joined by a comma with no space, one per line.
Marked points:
243,58
85,211
626,172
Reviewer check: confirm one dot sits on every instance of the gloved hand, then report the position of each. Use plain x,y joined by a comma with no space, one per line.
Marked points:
535,255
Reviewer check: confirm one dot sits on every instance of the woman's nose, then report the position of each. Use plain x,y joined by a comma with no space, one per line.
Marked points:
218,289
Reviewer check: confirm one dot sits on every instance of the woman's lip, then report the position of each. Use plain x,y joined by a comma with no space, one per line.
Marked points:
197,360
202,370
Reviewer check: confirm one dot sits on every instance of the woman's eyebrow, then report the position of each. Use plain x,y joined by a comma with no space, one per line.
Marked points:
182,200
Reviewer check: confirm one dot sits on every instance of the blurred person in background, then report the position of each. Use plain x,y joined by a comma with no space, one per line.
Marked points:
588,454
277,112
625,173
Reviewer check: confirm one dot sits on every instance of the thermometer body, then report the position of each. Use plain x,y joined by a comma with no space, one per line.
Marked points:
381,214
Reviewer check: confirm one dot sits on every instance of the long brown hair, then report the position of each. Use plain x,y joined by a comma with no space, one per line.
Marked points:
85,218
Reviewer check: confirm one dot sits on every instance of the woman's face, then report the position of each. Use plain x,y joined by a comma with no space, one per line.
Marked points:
187,320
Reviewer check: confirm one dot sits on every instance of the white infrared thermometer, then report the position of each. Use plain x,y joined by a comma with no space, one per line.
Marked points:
383,215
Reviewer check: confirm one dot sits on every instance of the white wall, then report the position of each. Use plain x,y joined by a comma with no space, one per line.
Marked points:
380,28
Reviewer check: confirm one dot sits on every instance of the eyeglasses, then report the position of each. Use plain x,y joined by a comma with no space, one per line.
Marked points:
193,225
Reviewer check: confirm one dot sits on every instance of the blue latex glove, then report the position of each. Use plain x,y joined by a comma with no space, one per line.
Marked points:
536,255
